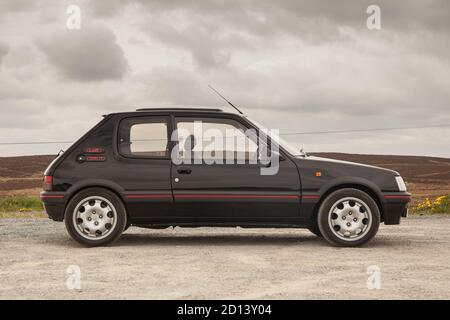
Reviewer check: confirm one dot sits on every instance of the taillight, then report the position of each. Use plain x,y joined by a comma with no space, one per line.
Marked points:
48,183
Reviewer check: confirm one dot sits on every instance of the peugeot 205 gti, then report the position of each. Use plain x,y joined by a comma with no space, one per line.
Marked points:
157,168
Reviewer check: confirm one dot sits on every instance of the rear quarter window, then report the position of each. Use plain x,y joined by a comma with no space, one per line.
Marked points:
144,137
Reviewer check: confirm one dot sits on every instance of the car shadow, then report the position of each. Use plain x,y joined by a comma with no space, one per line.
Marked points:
216,240
244,240
220,239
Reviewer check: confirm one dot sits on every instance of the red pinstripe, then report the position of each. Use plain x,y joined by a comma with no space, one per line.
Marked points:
218,196
52,197
148,196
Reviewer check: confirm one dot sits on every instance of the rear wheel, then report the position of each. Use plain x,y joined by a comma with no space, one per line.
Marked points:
95,217
348,217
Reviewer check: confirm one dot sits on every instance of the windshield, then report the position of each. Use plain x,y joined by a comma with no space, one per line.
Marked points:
283,143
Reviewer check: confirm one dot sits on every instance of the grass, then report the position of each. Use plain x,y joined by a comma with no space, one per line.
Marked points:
22,204
439,205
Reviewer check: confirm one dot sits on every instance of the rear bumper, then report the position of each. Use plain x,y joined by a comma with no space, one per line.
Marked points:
396,207
54,204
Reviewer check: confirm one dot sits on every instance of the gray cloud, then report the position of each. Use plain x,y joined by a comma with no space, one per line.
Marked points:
296,65
177,86
286,15
212,32
8,6
89,54
4,48
195,38
107,8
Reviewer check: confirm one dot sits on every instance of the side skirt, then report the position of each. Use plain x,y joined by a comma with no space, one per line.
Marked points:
219,225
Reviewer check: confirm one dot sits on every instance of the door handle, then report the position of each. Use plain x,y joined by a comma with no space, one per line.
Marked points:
184,171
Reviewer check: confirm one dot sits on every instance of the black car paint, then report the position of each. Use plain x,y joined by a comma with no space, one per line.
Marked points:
212,195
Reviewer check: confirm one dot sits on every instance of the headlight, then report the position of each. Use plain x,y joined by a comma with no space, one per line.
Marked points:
400,183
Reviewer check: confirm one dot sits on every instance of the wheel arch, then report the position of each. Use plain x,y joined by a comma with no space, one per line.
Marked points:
102,185
371,191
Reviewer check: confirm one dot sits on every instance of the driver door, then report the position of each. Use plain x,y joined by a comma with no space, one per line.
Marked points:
223,190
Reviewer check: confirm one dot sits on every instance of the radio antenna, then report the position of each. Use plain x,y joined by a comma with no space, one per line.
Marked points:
218,93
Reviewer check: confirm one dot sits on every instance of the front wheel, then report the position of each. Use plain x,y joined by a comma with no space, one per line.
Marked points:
348,217
314,228
95,217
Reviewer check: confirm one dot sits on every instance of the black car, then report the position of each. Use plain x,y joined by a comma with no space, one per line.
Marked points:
123,172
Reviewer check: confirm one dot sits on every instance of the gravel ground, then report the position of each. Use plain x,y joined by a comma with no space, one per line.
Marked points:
214,263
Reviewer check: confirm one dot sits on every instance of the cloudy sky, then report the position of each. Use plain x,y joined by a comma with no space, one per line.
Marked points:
296,65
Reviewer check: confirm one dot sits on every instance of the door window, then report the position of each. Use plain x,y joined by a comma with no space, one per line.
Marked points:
222,140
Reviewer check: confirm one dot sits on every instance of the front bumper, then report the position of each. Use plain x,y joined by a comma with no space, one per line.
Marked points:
54,204
396,206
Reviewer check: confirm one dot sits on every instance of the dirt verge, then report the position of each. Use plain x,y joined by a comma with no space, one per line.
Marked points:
210,263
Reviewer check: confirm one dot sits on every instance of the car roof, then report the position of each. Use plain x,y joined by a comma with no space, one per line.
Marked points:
175,110
180,109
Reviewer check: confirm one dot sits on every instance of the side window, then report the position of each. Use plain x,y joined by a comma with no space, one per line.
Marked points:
144,137
218,138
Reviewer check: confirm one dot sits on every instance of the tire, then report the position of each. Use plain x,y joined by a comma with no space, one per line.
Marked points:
95,217
348,218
